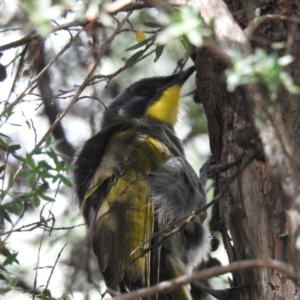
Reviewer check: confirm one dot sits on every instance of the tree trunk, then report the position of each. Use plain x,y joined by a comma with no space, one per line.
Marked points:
252,214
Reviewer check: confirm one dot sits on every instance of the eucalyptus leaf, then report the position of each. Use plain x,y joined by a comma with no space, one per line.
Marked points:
158,52
132,59
152,25
11,259
140,44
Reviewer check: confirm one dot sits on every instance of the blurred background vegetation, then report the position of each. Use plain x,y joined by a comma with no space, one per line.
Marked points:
45,251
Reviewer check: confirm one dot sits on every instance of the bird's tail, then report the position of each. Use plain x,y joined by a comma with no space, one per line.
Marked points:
172,272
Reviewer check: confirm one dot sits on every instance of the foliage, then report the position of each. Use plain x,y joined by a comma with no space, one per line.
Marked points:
187,25
34,172
89,50
263,69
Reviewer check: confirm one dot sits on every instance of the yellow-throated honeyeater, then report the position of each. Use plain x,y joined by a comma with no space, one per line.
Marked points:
133,181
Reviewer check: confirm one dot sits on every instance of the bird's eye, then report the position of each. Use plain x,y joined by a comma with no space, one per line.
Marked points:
144,91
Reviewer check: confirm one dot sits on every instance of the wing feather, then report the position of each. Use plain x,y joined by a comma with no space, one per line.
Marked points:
125,218
135,174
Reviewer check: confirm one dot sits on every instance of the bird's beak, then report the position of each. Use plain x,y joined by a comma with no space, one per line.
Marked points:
180,78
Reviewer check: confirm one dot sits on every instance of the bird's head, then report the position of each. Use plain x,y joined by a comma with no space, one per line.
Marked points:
157,98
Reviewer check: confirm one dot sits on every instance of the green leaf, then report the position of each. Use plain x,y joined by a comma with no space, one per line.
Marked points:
13,124
132,59
2,168
30,161
152,25
18,157
185,21
4,148
158,52
10,149
42,188
195,37
10,110
140,44
45,174
3,194
285,60
60,165
27,196
5,215
4,273
12,258
25,173
36,201
69,168
47,198
48,141
186,43
17,206
52,154
65,181
44,165
32,180
37,150
13,148
46,295
12,284
3,145
3,249
10,182
4,135
55,178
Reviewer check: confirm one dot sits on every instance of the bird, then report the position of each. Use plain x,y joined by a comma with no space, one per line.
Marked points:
137,189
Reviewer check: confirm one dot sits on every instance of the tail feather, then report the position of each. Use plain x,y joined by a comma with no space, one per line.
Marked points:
169,272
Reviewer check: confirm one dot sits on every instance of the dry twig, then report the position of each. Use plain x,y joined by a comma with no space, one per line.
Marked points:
167,286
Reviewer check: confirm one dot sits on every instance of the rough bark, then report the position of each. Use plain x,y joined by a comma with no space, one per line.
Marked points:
252,215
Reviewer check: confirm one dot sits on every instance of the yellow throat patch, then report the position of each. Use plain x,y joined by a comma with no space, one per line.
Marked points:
165,109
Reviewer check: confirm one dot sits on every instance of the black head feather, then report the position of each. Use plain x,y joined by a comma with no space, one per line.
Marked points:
134,101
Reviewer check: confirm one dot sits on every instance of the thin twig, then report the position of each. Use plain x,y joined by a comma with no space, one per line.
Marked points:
38,260
10,29
38,76
33,36
81,88
112,75
20,42
58,256
42,238
125,5
168,286
40,224
34,130
18,71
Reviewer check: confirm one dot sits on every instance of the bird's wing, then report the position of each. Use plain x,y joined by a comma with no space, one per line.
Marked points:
91,156
175,187
175,190
121,213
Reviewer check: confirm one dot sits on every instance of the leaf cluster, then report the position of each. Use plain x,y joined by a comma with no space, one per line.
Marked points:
266,70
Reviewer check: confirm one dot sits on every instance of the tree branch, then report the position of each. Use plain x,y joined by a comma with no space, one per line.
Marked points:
77,94
33,36
130,5
167,286
30,85
51,110
228,33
